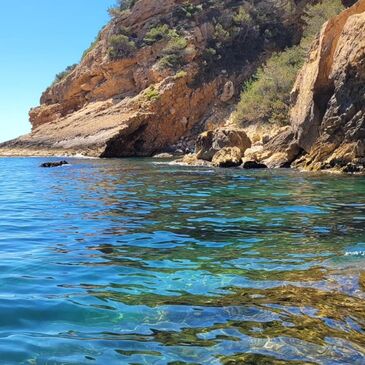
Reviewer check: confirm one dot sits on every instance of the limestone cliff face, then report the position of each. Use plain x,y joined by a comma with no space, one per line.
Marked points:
131,105
128,106
328,116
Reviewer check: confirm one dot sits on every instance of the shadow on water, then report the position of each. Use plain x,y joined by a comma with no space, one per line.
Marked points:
137,262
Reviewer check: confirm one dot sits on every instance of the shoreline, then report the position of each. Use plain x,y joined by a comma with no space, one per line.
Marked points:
173,161
30,152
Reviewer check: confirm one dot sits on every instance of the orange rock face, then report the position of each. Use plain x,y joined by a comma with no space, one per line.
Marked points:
105,107
328,116
131,105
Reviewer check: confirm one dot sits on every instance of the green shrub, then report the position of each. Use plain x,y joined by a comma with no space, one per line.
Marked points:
151,93
120,46
92,45
315,16
115,12
242,18
180,74
169,61
159,33
126,4
175,45
266,97
209,55
121,7
60,76
172,53
187,11
220,34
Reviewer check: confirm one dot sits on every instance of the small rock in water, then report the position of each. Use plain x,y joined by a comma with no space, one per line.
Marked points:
54,164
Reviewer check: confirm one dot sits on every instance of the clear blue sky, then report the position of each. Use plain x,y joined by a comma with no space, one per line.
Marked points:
39,38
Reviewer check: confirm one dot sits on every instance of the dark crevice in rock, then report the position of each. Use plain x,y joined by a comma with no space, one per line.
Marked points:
253,165
127,145
300,153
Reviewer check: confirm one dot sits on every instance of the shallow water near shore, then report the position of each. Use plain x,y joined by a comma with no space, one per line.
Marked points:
138,262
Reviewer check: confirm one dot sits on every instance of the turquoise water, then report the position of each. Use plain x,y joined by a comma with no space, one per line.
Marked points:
137,262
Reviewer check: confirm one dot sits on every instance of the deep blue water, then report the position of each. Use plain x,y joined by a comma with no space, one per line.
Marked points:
137,262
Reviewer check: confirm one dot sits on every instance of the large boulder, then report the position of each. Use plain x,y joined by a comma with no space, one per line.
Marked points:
210,142
280,151
227,157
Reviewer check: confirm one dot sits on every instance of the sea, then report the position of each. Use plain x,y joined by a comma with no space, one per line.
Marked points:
139,261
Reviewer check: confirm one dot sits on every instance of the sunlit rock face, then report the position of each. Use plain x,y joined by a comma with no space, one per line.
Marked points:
137,105
328,116
327,130
212,141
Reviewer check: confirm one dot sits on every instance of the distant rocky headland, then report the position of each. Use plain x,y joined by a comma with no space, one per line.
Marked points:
227,83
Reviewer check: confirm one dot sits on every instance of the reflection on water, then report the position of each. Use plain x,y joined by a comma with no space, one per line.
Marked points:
135,262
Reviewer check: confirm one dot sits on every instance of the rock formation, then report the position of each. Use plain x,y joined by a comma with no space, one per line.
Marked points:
327,128
163,72
227,157
328,114
158,74
210,142
54,164
327,118
329,111
221,147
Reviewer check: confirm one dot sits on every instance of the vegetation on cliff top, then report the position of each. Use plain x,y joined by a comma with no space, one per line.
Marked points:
120,7
60,76
242,32
237,25
266,97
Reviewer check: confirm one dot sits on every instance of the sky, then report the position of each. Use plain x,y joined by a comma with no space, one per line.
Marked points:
39,38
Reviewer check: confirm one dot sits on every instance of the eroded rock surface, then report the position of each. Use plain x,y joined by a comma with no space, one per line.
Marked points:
327,128
212,141
227,157
280,151
131,105
328,116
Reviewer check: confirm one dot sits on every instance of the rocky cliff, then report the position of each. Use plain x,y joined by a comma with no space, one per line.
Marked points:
158,74
162,72
328,116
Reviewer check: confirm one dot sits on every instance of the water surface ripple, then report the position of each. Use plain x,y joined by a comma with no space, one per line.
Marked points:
138,262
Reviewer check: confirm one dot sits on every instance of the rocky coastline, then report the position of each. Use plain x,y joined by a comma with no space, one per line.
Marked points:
131,107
